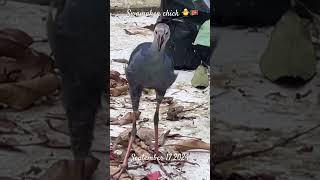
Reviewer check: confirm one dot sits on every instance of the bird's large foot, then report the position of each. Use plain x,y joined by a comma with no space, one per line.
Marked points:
117,174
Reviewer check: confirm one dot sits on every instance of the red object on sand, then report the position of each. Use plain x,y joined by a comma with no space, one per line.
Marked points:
154,176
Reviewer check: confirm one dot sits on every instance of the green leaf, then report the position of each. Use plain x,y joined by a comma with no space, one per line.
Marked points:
200,78
290,51
203,37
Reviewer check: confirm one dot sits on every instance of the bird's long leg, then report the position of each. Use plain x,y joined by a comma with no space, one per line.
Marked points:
159,98
135,93
124,164
156,130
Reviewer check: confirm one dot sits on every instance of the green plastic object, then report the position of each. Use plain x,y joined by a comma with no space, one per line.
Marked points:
203,37
200,78
290,51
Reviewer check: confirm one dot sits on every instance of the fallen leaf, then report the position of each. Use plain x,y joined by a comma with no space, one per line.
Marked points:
127,119
67,169
34,65
123,137
172,114
115,75
140,152
154,175
138,31
21,95
17,35
150,27
144,134
10,48
189,144
117,91
124,61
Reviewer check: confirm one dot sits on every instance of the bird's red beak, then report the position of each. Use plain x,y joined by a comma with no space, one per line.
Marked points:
160,42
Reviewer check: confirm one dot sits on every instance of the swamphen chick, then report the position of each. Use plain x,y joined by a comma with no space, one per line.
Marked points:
149,67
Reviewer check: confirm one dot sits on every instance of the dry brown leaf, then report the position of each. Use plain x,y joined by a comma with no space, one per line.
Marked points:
189,144
140,152
17,35
123,137
127,119
10,48
24,68
137,30
143,145
66,169
146,135
117,91
22,94
115,75
124,61
173,112
113,83
150,27
34,65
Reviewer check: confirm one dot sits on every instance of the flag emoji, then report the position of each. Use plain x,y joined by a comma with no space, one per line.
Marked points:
194,12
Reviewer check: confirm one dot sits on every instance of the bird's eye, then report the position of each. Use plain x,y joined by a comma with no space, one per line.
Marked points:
156,32
166,33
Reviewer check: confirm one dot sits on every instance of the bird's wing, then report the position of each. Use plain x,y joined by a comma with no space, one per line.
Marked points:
139,51
137,55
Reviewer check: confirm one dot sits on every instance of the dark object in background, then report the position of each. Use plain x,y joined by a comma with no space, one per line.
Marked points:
184,31
248,12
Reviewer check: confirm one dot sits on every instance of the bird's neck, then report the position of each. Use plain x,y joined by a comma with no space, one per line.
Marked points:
154,48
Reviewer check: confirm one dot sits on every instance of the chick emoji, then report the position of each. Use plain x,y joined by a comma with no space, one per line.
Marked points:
185,12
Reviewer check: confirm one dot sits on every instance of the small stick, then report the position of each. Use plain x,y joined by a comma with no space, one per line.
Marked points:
255,153
163,169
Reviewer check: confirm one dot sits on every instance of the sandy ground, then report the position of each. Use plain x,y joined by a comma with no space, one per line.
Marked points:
245,111
182,92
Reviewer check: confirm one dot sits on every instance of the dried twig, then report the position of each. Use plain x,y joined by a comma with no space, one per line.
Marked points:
255,153
164,170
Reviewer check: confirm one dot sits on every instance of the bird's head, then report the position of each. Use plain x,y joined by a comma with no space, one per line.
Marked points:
161,36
